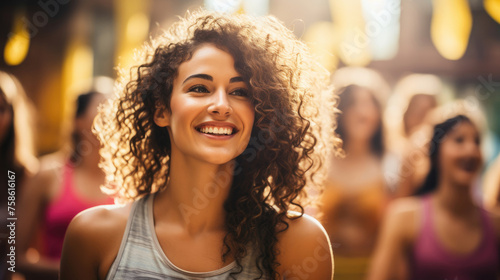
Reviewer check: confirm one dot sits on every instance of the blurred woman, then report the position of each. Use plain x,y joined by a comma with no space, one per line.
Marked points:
355,190
442,234
65,185
414,97
17,155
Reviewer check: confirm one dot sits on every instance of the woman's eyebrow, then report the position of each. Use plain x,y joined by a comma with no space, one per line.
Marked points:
236,80
210,78
201,76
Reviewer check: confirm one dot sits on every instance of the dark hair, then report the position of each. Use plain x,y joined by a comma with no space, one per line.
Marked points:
82,105
440,131
285,149
347,99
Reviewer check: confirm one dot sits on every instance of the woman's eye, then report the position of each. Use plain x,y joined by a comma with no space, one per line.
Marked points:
459,140
199,89
240,92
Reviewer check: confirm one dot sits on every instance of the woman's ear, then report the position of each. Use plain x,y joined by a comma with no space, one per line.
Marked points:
162,116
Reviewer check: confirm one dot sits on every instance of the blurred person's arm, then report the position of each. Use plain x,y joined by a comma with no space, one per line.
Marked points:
32,203
414,168
390,257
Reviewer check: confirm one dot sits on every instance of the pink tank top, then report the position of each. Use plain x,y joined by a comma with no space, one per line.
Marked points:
430,260
61,211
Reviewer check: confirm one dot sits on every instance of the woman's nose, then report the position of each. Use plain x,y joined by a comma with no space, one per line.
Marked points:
220,105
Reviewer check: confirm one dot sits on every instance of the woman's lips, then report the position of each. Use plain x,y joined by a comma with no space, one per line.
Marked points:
216,130
469,165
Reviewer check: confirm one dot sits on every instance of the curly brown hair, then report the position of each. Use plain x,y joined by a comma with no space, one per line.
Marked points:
291,135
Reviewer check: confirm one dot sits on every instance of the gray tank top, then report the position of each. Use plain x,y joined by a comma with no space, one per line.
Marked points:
141,257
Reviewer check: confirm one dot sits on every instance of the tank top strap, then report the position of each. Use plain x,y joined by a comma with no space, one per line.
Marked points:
66,181
136,221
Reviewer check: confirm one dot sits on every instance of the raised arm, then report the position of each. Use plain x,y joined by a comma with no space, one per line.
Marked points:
389,257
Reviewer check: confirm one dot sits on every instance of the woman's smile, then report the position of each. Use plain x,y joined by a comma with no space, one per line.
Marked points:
217,128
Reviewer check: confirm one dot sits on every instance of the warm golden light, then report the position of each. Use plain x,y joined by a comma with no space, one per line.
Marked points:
18,44
137,28
77,69
132,23
450,28
493,9
354,43
321,38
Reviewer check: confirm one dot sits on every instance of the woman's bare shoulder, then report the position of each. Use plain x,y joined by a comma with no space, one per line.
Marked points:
405,206
302,246
301,226
401,218
102,217
92,241
403,212
97,225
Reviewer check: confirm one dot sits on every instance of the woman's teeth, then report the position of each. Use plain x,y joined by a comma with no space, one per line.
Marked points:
217,130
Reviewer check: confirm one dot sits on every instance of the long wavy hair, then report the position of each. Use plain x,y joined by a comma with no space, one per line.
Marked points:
291,135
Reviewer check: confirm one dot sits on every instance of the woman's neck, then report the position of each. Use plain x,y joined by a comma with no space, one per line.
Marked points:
453,198
195,194
90,162
358,148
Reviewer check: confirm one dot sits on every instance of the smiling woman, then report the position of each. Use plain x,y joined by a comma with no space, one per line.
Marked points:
214,139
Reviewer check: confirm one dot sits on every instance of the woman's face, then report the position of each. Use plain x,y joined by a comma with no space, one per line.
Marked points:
418,107
5,118
211,114
362,117
460,155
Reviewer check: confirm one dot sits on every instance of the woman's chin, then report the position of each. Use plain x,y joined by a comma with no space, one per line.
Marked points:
218,158
465,180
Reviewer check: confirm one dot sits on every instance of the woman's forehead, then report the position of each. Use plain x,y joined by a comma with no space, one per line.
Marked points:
208,59
464,127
